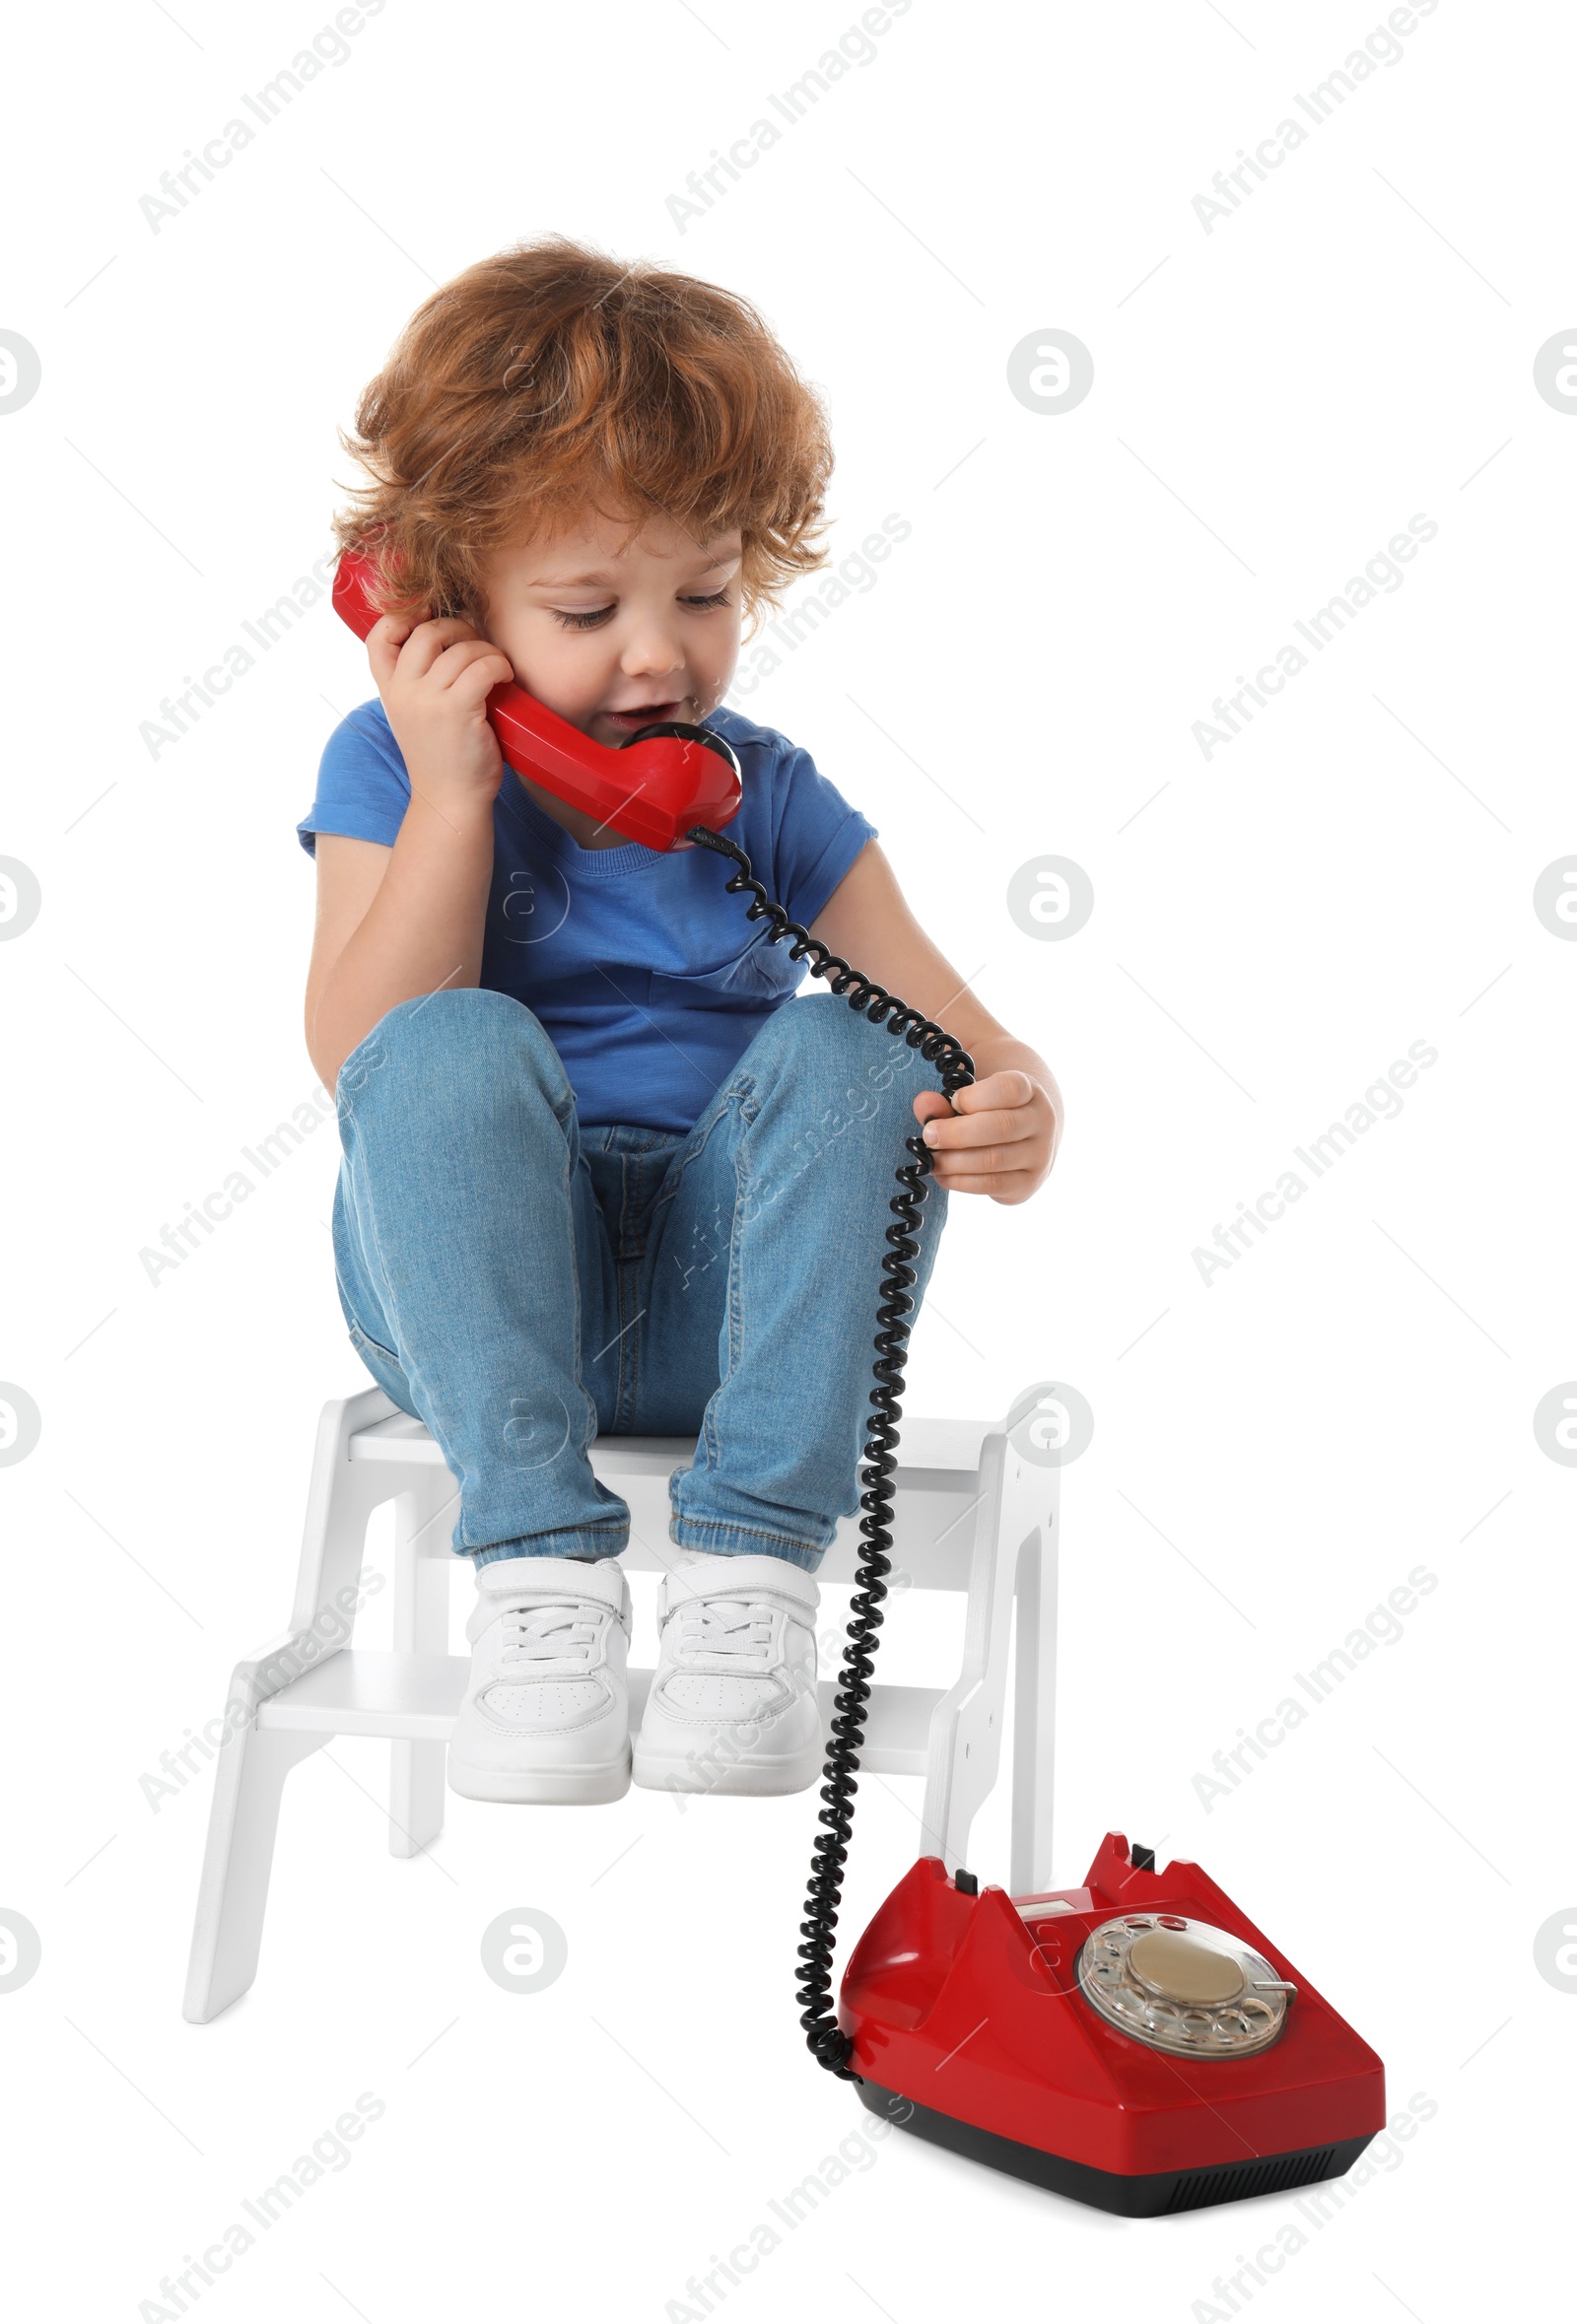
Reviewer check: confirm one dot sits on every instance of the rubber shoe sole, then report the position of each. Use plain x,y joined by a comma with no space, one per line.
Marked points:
744,1777
541,1787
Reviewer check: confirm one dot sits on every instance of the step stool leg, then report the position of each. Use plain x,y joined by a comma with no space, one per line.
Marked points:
1035,1702
423,1557
233,1895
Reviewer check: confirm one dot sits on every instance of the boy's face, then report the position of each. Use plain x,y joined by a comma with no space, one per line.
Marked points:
613,628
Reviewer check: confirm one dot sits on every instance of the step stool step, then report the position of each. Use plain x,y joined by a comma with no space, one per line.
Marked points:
925,1448
417,1696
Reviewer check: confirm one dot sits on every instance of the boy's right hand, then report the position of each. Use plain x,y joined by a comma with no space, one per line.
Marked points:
434,678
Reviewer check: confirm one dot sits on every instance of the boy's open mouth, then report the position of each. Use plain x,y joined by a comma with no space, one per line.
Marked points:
629,720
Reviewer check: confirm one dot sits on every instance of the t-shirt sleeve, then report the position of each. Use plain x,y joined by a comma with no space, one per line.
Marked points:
363,789
818,835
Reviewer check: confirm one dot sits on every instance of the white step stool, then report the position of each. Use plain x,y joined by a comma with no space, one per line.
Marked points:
971,1515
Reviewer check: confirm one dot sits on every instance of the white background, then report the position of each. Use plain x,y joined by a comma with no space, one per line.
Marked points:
1273,1452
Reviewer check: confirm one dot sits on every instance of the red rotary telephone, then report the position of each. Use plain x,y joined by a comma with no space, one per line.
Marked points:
667,776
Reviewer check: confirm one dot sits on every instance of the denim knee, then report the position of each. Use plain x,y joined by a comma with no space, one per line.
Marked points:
462,1050
824,1053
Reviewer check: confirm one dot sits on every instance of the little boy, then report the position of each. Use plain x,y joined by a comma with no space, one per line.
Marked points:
595,1174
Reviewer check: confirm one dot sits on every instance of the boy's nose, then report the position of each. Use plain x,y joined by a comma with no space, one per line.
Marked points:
652,654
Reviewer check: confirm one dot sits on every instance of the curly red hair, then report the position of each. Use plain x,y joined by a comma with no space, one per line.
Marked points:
550,378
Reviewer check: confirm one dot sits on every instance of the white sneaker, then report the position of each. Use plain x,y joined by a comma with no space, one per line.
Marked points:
546,1715
733,1706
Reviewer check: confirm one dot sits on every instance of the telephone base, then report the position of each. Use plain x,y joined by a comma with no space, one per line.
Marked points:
1135,2043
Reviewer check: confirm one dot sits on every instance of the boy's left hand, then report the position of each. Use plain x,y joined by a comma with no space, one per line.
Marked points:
1003,1138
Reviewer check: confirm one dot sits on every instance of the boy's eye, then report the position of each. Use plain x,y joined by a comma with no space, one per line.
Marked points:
595,619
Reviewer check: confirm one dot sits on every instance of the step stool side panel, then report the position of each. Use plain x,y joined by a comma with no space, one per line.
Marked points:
1032,1536
966,1729
341,1496
249,1775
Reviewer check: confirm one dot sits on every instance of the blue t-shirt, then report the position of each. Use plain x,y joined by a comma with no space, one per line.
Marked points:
651,980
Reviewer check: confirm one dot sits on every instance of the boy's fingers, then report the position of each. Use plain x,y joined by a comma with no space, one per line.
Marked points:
1009,1186
466,654
427,641
384,641
1010,1087
478,679
1001,1126
987,1162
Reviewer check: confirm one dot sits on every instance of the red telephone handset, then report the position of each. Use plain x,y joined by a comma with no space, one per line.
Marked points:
668,776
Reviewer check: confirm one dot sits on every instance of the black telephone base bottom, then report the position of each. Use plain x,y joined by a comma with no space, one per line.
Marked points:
1150,2196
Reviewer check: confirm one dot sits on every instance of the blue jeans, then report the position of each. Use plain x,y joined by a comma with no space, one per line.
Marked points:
520,1283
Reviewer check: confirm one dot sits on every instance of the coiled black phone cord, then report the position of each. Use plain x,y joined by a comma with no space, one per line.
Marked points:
827,2041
